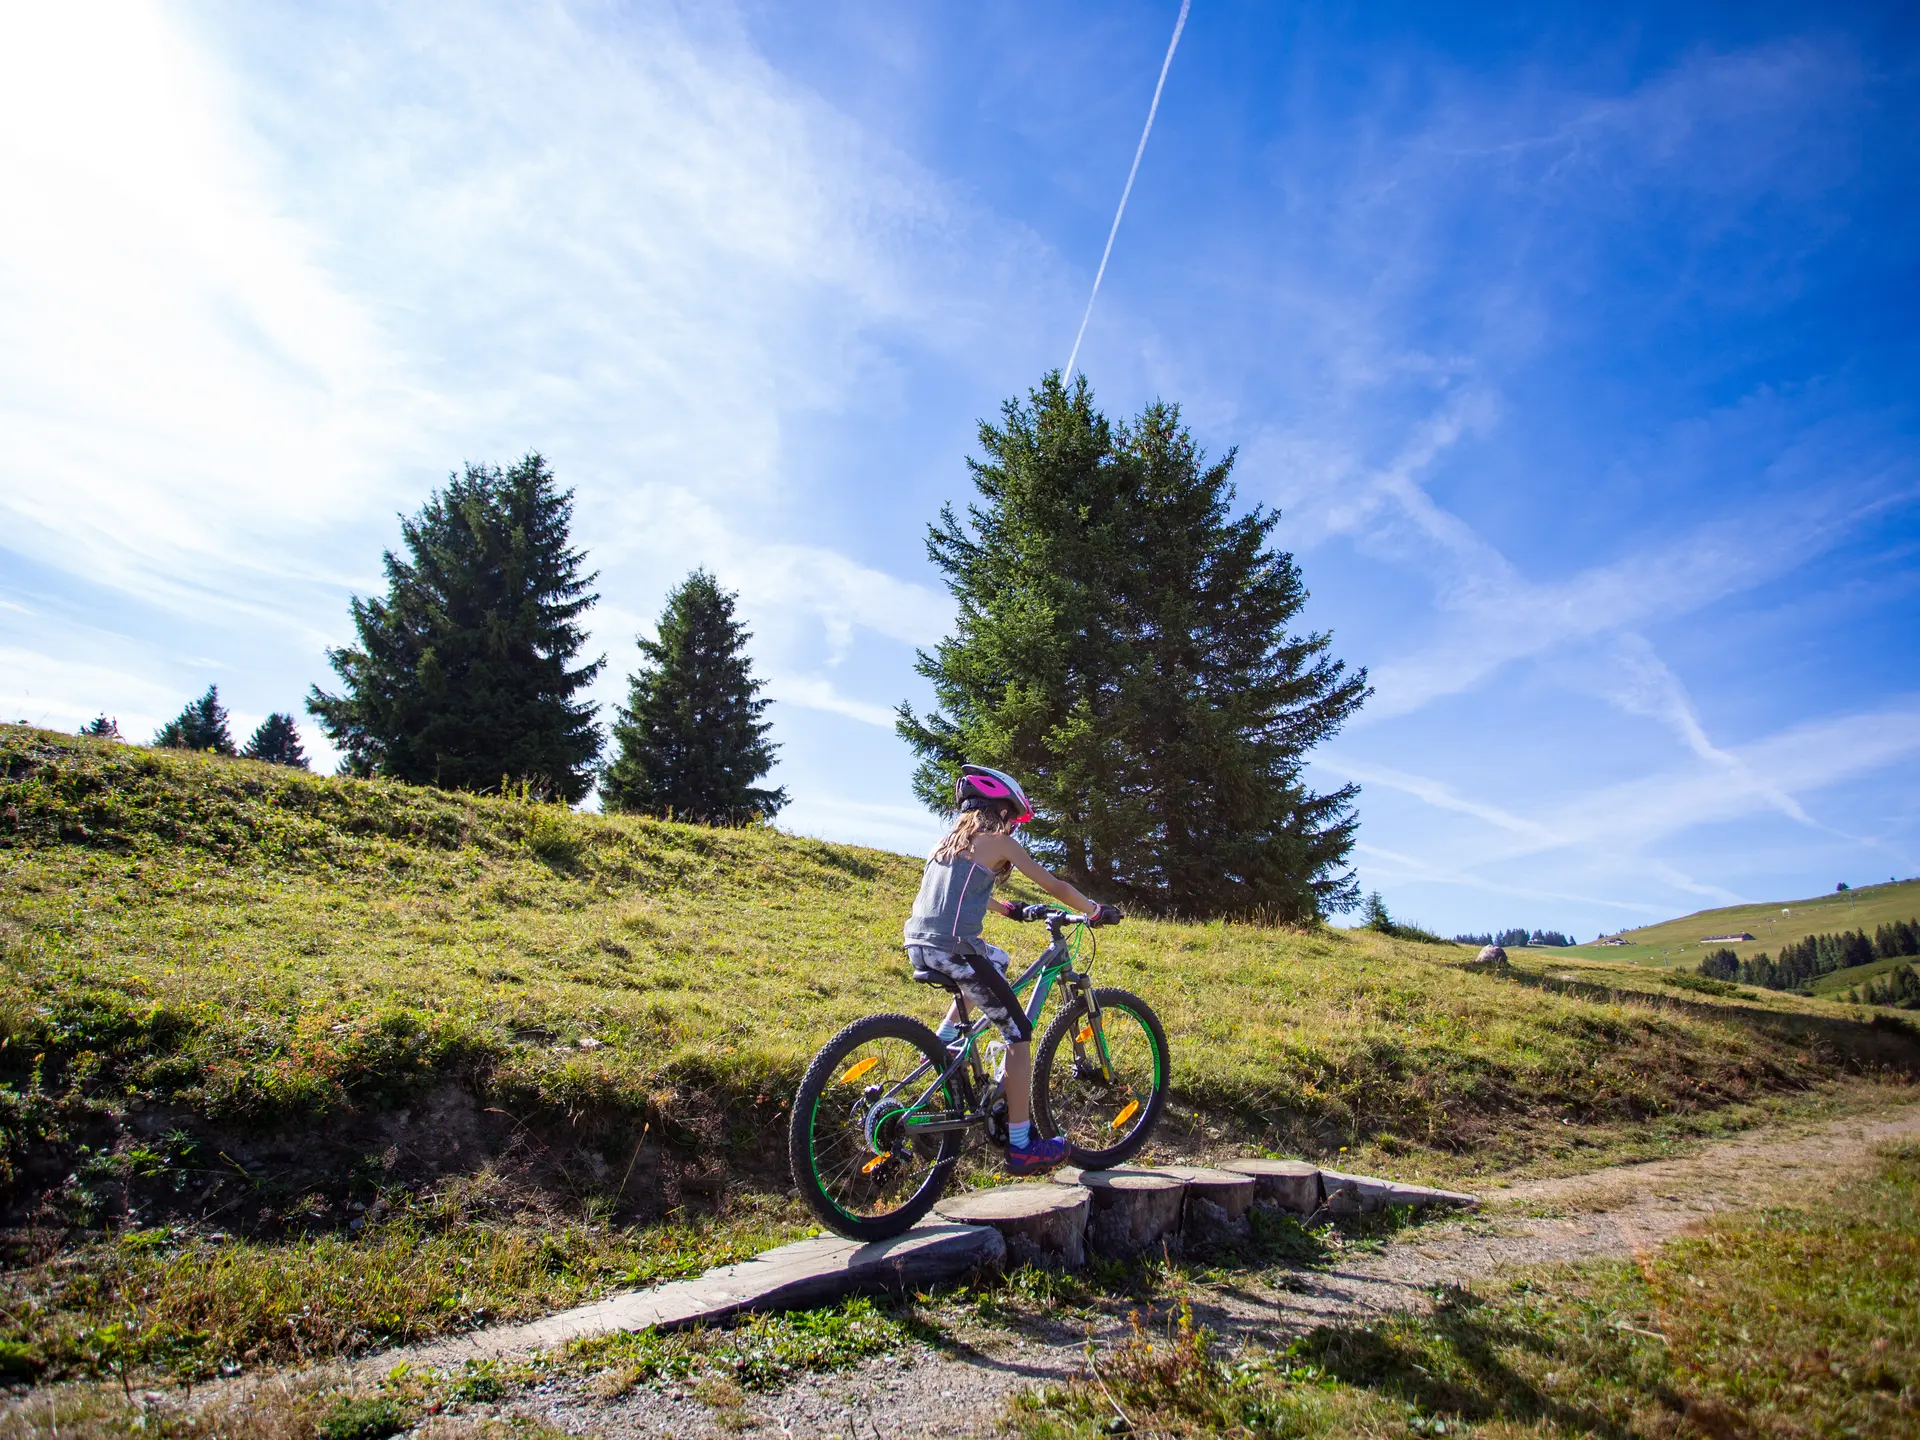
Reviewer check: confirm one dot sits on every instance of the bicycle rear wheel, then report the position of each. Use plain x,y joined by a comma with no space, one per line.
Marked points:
856,1160
1101,1083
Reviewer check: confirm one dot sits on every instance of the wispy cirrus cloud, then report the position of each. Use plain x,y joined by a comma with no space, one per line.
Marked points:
1626,821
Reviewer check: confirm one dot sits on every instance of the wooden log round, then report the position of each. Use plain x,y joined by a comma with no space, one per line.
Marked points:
1290,1185
1131,1210
1232,1192
1216,1206
1042,1224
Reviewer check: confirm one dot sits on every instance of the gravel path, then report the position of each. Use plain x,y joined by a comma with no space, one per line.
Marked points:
960,1388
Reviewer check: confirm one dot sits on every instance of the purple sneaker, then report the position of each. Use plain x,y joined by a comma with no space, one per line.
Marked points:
1039,1155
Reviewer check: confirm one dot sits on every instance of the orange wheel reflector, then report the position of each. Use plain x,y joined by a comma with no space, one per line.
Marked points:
856,1071
877,1161
1133,1109
1086,1034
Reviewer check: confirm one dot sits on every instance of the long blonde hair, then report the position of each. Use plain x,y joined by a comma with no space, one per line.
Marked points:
972,823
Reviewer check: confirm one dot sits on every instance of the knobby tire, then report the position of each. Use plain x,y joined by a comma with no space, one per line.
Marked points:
1049,1107
827,1118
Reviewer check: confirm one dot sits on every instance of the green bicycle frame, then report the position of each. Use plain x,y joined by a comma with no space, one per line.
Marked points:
1042,974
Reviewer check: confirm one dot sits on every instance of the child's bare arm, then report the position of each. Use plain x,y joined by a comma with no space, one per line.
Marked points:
994,848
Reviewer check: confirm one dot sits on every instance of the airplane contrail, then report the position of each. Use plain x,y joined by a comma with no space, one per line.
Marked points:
1139,150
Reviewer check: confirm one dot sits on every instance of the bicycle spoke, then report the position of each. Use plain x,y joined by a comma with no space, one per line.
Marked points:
1099,1092
866,1160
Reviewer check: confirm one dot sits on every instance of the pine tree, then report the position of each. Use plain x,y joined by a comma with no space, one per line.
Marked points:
1899,986
201,725
691,737
1122,647
277,742
102,727
1721,964
460,678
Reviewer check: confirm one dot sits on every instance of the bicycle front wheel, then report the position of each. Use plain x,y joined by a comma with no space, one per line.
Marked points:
856,1159
1100,1081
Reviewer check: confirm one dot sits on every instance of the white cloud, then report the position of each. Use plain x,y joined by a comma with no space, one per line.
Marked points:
1433,792
1417,869
1802,760
811,692
260,285
181,380
1631,676
59,694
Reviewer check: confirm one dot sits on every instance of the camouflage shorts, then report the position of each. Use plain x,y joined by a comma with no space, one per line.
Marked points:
1002,1009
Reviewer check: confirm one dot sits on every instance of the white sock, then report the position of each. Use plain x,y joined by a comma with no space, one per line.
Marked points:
1018,1135
948,1033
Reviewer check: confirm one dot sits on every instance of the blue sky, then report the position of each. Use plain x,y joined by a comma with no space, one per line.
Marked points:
1578,353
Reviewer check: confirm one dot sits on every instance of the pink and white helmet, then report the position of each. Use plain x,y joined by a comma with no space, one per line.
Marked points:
980,788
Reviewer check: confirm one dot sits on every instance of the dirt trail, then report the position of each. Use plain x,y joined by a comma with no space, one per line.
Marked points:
958,1389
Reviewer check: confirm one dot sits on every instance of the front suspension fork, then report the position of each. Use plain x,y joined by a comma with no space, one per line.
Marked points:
1092,1030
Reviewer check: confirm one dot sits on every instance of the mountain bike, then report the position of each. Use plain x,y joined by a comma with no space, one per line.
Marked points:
884,1109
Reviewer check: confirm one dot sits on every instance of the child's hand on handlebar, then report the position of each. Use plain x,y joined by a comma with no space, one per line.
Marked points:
1102,914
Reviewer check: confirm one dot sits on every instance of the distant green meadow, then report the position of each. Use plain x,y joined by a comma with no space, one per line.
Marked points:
1673,944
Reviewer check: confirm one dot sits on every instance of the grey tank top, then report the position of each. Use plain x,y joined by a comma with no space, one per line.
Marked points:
952,903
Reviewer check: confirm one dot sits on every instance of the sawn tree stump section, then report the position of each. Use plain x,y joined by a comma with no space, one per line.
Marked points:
1132,1210
1217,1203
1290,1185
1042,1224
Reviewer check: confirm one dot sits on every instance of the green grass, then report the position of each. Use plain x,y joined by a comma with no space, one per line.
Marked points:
173,1303
235,998
762,1352
1784,1322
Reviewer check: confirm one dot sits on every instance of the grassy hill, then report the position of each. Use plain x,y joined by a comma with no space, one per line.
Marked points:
1837,983
1677,943
297,1065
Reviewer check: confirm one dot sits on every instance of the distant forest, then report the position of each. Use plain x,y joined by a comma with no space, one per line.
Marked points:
1802,962
1510,939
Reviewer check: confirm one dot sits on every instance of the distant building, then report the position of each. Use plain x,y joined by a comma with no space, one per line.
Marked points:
1725,939
1616,940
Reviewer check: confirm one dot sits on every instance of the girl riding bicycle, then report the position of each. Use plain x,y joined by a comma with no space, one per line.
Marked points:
943,937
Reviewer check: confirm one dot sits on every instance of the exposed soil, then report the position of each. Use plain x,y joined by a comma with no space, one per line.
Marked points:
960,1387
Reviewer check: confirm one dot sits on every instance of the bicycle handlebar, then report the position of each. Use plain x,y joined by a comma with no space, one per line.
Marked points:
1057,917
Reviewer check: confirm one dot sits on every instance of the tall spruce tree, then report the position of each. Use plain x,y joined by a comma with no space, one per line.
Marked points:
277,742
691,738
461,675
201,725
1122,647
